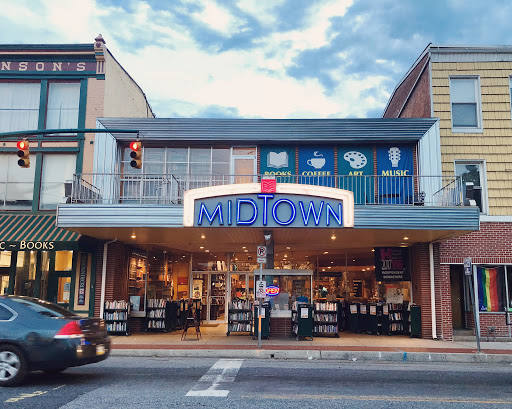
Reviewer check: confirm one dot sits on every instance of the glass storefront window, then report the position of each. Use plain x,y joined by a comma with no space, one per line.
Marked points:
4,283
209,262
45,269
64,290
5,258
63,260
24,283
137,281
159,280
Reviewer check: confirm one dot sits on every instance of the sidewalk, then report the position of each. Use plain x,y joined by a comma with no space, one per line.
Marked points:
348,347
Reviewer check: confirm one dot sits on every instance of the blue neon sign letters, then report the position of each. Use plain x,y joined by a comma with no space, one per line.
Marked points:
268,210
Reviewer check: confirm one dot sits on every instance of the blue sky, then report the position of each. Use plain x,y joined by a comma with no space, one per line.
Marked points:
262,58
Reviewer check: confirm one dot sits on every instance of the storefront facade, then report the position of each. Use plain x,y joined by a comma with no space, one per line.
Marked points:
49,96
469,88
349,210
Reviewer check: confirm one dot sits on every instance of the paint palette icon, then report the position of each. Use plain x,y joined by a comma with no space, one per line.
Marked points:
356,159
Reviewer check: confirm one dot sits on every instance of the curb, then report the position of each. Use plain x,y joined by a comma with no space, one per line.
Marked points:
349,356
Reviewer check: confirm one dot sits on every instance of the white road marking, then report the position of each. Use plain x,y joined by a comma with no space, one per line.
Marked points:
223,371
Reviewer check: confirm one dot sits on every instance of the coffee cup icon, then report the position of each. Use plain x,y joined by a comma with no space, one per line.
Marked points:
317,163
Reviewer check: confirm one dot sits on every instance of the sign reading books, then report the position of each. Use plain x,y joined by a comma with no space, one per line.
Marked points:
392,264
278,161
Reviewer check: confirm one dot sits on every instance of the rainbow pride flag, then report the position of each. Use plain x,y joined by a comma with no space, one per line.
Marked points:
490,290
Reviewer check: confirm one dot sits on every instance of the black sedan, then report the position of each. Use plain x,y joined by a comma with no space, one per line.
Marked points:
38,335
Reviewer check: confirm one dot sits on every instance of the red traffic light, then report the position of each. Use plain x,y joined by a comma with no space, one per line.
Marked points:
135,146
23,154
136,154
22,145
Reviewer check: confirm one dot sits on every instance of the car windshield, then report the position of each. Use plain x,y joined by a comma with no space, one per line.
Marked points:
44,307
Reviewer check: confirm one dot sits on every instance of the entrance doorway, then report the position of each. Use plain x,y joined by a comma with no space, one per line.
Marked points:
457,290
59,289
210,287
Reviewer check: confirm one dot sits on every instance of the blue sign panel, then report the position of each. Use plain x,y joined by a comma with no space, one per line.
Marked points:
278,161
316,165
357,164
268,210
395,170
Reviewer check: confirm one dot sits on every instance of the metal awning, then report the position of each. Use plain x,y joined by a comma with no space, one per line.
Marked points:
34,232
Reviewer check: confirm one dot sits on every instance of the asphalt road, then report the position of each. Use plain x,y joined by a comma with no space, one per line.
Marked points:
123,382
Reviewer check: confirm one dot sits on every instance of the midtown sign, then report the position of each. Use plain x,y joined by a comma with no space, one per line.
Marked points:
292,205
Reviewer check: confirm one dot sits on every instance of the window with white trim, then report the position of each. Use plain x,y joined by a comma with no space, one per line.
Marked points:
473,171
465,104
16,184
57,169
19,106
63,103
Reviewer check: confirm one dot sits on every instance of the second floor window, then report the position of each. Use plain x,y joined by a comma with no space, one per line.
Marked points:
63,102
19,106
57,169
465,105
16,184
474,172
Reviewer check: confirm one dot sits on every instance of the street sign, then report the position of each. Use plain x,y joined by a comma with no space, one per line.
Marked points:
262,251
467,266
261,289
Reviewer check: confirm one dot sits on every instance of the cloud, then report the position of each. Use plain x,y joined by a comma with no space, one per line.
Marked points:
262,58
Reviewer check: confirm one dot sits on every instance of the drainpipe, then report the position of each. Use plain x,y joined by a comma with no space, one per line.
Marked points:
432,290
104,275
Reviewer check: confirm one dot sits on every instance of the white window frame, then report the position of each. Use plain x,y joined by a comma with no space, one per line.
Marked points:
510,88
481,163
478,95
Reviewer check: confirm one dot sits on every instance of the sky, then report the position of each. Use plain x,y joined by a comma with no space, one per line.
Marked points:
262,58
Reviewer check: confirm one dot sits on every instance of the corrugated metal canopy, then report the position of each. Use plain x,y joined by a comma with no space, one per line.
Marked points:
272,130
22,227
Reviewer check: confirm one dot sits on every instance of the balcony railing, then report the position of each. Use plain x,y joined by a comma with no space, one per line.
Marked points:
103,188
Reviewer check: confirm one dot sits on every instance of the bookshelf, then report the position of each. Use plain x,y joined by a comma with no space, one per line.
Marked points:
326,319
302,321
240,316
396,319
116,315
157,315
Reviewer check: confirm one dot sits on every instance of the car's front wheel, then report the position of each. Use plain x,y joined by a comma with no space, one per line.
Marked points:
13,366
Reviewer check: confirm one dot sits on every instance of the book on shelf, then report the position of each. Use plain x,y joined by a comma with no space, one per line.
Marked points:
116,305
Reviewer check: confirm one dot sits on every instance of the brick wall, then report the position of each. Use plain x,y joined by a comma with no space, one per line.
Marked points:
492,244
489,320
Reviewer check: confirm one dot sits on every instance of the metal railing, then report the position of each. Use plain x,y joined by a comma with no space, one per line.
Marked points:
106,188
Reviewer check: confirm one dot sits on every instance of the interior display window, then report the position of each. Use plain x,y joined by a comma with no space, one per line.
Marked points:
137,268
209,262
63,104
473,172
5,258
291,287
64,290
16,184
57,169
465,104
492,295
159,276
63,260
24,283
19,106
4,284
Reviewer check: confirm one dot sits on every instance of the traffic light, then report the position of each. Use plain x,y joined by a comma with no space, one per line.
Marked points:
136,154
23,153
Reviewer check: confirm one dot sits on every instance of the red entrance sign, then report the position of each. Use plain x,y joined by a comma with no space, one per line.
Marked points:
268,186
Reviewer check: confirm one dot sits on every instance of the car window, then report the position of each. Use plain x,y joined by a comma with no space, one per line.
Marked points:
44,308
5,314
